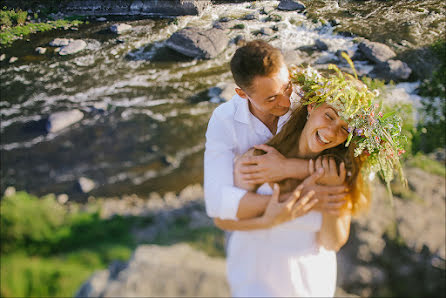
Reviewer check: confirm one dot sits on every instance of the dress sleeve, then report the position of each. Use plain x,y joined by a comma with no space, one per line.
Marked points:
222,198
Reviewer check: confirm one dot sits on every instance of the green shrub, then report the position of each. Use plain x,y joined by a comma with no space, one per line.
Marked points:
30,223
432,122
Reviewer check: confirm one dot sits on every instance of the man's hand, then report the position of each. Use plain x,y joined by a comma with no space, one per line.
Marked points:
262,168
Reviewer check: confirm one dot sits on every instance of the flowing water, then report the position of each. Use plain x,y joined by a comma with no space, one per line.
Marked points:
151,135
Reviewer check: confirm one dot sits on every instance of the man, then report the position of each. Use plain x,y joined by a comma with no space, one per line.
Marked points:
256,113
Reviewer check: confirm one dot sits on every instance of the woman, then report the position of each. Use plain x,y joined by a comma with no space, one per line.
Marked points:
339,126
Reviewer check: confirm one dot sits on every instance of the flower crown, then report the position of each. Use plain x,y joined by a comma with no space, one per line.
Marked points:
375,132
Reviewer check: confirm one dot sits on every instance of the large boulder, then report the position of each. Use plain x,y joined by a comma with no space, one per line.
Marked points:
73,47
375,51
155,271
291,5
395,70
60,120
138,7
120,28
197,43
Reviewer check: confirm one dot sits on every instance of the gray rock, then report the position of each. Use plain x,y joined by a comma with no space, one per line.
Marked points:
101,19
295,57
225,25
9,191
2,57
267,10
222,92
395,70
86,185
95,286
13,59
120,28
251,16
59,42
60,120
138,7
321,45
62,198
197,43
155,271
291,5
267,31
375,51
40,50
73,47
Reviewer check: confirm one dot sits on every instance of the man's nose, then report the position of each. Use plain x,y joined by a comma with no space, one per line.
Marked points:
284,101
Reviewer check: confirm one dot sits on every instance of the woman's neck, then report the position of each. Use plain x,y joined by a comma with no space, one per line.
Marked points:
303,150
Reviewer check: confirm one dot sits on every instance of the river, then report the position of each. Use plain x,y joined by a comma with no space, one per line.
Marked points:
143,127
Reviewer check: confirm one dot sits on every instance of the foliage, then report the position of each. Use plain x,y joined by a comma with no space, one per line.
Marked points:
374,128
427,164
13,25
49,249
12,17
433,114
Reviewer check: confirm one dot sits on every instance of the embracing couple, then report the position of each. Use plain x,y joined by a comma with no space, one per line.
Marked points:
283,172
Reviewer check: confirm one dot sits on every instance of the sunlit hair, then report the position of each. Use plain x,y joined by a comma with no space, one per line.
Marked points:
256,58
287,143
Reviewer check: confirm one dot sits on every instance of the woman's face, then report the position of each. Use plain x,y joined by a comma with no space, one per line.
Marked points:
324,129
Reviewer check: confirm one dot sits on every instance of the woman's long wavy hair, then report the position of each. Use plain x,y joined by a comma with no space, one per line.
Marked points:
287,143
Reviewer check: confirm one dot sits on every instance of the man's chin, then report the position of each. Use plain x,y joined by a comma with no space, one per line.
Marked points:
281,112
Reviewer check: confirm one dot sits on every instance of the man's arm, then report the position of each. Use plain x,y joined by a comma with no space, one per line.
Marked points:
223,199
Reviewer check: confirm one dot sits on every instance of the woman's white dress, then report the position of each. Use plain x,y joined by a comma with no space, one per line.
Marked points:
284,261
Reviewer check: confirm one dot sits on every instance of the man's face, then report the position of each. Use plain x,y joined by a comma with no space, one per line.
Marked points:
270,95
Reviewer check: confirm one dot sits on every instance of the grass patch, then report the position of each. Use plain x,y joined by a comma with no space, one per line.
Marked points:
208,239
49,250
13,25
427,164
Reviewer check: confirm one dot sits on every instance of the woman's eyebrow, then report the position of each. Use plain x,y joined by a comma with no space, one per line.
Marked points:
334,111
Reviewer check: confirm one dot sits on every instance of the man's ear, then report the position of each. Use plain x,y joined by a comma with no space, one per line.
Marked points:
241,93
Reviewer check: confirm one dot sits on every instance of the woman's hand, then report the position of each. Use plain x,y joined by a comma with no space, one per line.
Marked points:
331,175
295,205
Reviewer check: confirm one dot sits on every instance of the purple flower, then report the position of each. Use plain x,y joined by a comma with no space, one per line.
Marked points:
350,129
359,131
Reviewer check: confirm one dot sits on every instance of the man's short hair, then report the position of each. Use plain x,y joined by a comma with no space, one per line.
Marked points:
256,58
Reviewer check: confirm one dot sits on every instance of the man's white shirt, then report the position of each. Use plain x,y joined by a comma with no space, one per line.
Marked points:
232,130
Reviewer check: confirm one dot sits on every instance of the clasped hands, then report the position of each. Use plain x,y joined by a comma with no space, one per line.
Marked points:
323,190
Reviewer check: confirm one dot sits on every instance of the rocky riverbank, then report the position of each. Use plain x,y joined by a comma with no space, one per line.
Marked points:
391,255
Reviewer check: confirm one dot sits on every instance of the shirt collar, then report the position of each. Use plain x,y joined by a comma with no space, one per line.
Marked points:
243,114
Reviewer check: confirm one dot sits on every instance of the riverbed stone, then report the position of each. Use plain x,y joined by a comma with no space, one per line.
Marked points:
40,50
101,19
13,59
10,191
73,47
60,42
155,271
222,92
61,120
291,5
375,51
395,70
85,184
2,57
137,7
120,28
62,198
197,43
321,45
